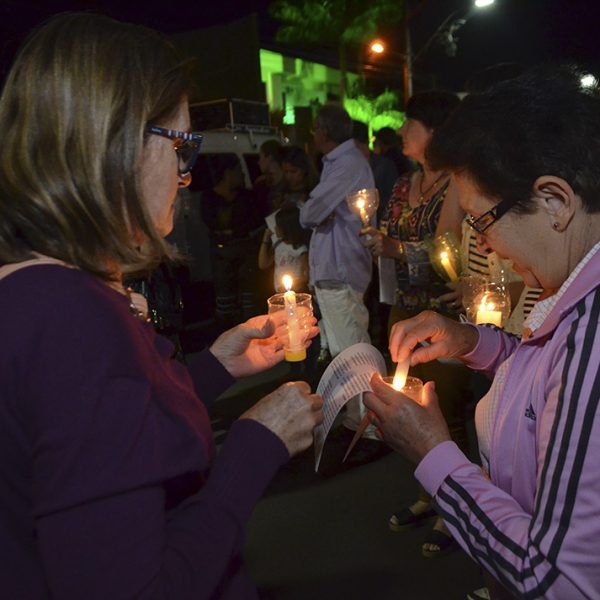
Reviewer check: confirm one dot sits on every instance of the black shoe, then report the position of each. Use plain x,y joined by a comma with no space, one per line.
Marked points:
406,519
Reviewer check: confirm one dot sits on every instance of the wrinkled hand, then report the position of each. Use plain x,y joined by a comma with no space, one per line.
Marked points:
378,243
409,427
291,412
446,338
255,345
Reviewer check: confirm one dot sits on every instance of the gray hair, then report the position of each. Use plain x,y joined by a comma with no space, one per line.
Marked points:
336,121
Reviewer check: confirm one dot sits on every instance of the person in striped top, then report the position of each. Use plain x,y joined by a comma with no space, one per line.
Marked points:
525,156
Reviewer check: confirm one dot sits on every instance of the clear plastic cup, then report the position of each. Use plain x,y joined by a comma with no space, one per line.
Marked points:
298,324
413,388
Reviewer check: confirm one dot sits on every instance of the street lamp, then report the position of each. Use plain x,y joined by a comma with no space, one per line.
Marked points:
445,33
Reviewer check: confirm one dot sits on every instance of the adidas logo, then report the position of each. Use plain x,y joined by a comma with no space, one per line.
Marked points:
530,413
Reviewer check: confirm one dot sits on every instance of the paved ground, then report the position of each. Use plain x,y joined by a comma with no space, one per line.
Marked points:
326,538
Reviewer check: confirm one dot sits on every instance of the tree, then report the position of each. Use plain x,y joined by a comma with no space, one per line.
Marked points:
376,112
343,22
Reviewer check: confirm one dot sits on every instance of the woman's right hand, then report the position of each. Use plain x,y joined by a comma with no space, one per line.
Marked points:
445,338
291,412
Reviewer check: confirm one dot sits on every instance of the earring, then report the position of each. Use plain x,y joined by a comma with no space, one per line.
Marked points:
555,225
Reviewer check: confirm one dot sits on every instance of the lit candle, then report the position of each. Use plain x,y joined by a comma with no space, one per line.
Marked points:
448,266
486,313
295,350
360,204
400,375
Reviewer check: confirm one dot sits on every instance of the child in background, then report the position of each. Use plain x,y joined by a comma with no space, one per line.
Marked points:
289,251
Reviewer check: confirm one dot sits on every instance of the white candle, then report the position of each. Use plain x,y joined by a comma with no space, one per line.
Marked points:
293,324
486,313
400,375
448,266
360,204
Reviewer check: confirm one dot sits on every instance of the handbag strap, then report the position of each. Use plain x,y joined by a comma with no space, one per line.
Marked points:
40,259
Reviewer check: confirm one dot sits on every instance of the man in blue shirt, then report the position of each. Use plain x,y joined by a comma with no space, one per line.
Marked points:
340,266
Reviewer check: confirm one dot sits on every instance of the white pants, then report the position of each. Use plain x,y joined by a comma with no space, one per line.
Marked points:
345,319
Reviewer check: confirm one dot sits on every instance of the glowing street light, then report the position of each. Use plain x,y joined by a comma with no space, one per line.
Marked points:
377,47
588,81
483,3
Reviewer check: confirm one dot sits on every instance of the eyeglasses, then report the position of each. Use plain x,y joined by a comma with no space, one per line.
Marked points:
487,219
187,148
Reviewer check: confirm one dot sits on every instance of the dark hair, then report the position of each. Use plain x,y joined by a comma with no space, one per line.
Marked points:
73,114
219,163
288,219
431,108
297,157
541,123
387,136
360,132
271,149
336,121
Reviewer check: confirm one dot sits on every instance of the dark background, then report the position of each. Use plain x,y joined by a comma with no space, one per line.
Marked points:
522,31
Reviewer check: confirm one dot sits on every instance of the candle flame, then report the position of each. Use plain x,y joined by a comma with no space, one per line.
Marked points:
360,203
444,256
401,374
287,282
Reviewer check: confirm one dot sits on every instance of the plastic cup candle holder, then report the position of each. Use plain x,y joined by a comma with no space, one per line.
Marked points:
413,387
492,306
298,315
364,203
444,255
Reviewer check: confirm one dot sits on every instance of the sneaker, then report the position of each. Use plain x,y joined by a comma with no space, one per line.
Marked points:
480,594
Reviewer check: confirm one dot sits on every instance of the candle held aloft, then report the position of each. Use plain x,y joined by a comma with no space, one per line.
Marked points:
486,313
445,260
295,351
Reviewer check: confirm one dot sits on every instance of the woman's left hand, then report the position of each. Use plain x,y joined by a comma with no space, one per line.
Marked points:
453,298
255,345
409,427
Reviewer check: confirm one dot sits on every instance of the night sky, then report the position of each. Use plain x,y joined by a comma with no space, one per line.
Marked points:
522,31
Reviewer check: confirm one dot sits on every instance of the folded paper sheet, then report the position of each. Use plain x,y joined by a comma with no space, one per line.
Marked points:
347,376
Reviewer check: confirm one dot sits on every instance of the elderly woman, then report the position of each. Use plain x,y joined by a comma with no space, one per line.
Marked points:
109,481
526,157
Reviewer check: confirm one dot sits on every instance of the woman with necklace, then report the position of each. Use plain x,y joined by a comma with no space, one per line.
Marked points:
423,204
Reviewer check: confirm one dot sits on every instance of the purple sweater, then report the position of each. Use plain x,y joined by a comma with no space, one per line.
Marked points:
536,524
109,485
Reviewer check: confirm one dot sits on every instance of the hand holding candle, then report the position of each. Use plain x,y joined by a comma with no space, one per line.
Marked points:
411,386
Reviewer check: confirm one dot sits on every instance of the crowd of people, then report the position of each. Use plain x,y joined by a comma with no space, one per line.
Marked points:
109,466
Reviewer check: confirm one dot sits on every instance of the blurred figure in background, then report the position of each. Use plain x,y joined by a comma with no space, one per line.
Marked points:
384,169
234,224
389,144
300,174
270,186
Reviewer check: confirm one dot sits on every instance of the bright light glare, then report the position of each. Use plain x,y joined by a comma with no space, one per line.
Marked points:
588,81
377,47
483,3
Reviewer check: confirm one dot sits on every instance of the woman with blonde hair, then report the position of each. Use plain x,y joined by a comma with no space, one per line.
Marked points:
109,481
